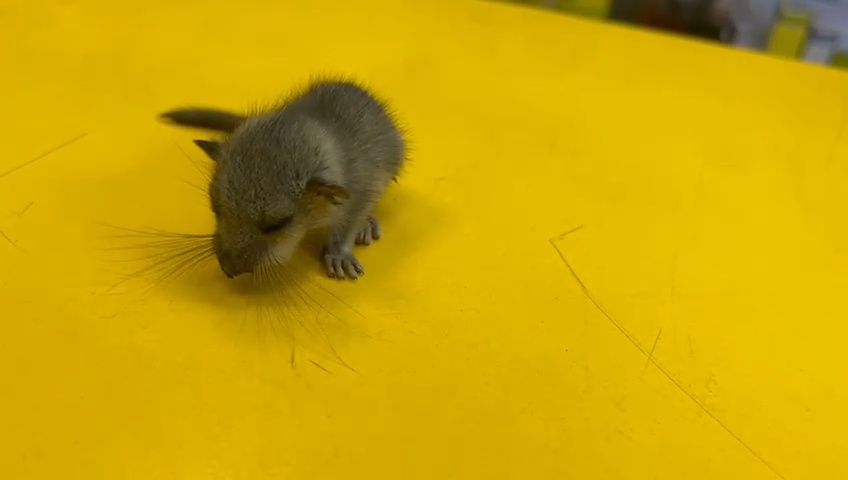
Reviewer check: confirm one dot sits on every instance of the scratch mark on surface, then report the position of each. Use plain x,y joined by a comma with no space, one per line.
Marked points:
620,327
43,155
24,210
11,242
591,298
563,235
320,366
651,353
7,238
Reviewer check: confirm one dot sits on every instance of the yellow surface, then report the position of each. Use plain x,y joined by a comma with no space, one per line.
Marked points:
694,327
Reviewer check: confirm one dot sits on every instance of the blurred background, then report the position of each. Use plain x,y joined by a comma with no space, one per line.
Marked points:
814,31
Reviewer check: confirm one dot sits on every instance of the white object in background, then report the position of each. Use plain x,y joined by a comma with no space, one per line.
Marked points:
821,46
828,16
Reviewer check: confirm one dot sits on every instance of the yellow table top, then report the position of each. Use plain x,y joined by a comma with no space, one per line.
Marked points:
614,255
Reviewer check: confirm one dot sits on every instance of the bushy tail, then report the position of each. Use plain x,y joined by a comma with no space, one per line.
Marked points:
205,118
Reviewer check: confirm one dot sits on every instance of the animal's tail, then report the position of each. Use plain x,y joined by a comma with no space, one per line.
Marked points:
205,118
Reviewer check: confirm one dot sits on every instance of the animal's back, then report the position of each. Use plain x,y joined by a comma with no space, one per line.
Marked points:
362,124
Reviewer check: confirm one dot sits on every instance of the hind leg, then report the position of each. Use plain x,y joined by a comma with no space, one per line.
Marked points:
369,232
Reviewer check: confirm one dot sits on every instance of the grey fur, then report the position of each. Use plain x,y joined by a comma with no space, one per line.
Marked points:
321,159
207,118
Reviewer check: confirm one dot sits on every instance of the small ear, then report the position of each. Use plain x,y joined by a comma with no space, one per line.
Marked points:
330,191
213,149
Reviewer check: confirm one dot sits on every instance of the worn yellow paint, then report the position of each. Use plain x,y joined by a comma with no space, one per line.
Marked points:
694,327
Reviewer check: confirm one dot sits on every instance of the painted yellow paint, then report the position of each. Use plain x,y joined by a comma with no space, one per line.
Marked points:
694,327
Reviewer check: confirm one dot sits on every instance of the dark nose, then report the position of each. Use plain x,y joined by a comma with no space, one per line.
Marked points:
232,267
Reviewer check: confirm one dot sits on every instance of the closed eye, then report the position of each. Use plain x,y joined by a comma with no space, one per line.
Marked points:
275,227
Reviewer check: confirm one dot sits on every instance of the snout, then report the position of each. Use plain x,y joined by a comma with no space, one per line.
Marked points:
232,266
233,272
237,252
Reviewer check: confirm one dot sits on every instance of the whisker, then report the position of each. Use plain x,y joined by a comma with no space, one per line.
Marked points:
154,232
279,302
274,273
288,281
273,311
285,277
271,323
164,234
167,259
333,349
311,298
173,256
162,244
194,186
186,264
155,256
326,290
205,173
174,271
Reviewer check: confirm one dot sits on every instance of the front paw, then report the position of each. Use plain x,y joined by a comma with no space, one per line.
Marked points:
342,264
370,232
